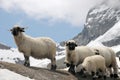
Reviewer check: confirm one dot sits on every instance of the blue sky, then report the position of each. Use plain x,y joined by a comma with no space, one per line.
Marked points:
58,31
60,20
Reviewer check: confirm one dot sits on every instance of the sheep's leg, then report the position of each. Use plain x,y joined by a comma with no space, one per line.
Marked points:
27,62
104,73
110,71
53,64
72,69
115,71
94,76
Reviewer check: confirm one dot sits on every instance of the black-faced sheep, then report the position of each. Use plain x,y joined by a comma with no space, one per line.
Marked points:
42,47
76,54
93,64
110,59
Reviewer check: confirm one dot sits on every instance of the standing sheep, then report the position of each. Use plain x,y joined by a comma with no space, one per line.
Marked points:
110,59
42,47
76,54
92,64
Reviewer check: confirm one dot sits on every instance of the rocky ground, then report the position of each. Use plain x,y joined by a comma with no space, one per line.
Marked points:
38,73
43,74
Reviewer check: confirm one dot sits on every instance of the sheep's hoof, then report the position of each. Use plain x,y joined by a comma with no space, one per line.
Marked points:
53,67
93,78
115,75
27,64
71,71
84,76
111,75
104,77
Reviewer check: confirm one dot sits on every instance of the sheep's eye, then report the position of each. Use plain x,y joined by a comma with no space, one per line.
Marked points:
18,29
84,69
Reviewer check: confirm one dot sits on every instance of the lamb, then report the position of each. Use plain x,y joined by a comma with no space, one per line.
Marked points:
42,47
75,54
92,64
110,59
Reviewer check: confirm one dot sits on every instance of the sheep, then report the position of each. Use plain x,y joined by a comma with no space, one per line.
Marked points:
110,59
41,47
92,64
75,54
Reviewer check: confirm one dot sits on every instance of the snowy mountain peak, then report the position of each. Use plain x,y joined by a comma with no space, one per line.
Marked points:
111,37
99,19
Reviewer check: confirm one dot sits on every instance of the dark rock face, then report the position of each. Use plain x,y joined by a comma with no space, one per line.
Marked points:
99,20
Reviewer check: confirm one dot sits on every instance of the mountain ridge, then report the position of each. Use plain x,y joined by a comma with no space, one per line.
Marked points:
3,46
99,20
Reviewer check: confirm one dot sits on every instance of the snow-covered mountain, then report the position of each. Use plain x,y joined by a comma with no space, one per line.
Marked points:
99,20
110,38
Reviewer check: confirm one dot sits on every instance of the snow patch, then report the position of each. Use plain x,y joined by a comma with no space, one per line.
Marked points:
14,56
6,74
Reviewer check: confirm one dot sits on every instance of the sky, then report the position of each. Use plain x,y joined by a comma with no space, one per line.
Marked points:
58,19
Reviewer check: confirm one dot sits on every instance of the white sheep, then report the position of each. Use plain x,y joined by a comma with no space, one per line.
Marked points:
93,64
110,59
76,54
42,47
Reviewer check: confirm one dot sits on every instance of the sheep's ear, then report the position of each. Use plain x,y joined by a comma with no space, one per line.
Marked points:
83,69
11,30
97,52
22,30
76,45
66,43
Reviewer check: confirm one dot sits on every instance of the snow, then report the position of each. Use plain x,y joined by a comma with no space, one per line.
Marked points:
111,34
14,56
116,48
59,46
95,43
11,55
9,75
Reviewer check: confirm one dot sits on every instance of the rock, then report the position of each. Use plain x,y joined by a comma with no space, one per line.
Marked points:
60,64
38,73
99,20
43,74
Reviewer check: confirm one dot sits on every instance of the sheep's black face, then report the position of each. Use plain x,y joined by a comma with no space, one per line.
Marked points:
71,45
15,31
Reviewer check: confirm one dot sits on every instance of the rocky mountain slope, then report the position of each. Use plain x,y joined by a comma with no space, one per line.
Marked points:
2,46
111,37
99,19
35,73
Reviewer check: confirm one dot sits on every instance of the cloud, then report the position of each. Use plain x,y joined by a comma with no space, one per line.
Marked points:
71,11
113,3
